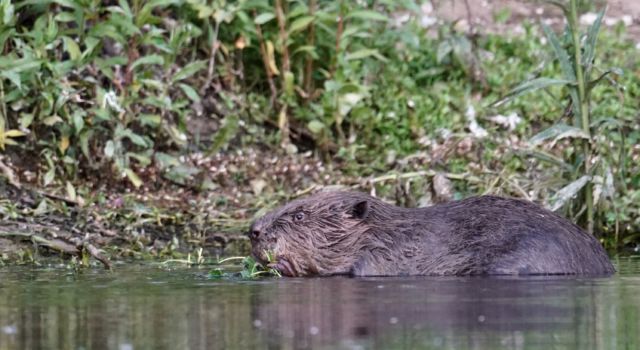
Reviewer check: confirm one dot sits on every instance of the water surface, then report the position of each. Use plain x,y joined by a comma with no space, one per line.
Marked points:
152,308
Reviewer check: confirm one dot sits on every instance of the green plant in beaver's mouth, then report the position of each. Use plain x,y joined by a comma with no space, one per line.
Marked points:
250,268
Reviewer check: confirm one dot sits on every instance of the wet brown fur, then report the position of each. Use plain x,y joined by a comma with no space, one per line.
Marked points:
352,233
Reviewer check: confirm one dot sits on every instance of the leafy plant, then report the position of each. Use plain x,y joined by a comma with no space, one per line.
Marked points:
88,82
250,269
591,161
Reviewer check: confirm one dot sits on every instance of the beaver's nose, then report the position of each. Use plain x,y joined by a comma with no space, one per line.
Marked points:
255,231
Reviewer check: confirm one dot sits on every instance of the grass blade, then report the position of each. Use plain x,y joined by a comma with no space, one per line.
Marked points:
566,66
567,192
590,43
557,132
561,54
529,86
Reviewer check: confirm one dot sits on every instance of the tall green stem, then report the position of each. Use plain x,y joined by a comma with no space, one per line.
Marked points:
584,109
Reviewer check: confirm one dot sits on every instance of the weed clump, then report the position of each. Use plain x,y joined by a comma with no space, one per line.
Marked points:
250,269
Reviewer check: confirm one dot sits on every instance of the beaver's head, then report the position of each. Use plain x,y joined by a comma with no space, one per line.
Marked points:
316,235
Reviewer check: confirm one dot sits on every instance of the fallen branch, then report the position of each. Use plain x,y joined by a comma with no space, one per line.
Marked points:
60,245
94,252
55,244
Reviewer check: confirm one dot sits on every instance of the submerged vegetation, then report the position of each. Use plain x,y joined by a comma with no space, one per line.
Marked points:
156,128
250,269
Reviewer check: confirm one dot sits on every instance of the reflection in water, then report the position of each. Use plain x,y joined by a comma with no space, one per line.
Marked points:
141,308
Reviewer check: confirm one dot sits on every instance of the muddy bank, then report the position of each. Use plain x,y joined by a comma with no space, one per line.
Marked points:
39,227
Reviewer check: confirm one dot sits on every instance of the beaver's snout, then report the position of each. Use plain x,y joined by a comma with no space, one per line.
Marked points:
255,231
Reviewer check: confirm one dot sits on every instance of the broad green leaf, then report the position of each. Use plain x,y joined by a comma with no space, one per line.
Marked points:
65,17
13,133
315,126
191,93
530,86
49,121
5,34
561,197
226,132
351,31
204,11
309,49
368,15
177,135
124,24
347,101
360,54
145,60
297,11
7,12
165,160
64,143
124,5
102,29
52,30
181,173
264,18
25,120
72,47
135,138
49,176
69,3
71,191
133,177
150,119
152,83
144,15
161,3
444,49
189,70
300,23
143,159
41,209
14,77
78,120
20,65
557,132
90,44
84,143
289,82
9,142
462,48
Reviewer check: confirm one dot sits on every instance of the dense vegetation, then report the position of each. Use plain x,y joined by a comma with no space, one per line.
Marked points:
121,95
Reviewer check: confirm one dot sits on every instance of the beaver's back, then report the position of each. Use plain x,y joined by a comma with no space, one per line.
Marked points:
495,235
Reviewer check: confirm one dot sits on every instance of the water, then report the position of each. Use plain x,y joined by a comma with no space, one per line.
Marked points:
153,308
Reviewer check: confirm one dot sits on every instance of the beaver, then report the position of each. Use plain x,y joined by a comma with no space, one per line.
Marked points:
352,233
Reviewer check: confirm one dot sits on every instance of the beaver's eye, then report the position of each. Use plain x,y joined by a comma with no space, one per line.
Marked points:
299,216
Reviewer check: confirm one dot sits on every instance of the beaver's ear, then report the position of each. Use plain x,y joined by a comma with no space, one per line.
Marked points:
360,210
